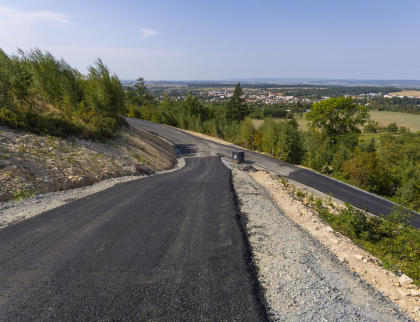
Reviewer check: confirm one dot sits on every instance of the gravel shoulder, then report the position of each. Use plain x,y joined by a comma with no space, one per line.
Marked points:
302,279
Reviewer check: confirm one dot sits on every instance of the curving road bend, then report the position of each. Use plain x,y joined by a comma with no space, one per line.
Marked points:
192,145
163,248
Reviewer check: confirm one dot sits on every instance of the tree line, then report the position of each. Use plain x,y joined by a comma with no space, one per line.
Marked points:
45,95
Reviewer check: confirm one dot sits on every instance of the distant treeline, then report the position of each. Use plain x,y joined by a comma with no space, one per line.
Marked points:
336,91
396,104
249,86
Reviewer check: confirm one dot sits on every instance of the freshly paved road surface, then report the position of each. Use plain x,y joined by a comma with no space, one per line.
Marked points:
192,145
163,248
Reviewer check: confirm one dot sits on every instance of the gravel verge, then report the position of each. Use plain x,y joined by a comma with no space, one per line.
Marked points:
302,280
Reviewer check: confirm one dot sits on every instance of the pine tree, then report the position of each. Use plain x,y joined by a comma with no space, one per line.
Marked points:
237,109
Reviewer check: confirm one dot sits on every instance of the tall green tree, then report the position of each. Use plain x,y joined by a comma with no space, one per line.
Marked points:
336,117
140,95
195,108
104,91
237,108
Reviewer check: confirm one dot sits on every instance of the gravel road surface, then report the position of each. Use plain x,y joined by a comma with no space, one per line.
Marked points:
163,248
192,145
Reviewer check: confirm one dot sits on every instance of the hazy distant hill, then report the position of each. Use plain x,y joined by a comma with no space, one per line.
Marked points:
401,83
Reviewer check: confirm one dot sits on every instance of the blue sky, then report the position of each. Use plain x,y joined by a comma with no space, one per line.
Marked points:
231,39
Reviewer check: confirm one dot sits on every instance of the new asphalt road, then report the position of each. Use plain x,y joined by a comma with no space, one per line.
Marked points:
164,248
192,145
168,247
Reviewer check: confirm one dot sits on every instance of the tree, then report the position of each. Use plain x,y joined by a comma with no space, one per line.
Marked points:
392,127
103,91
195,108
367,171
140,95
237,109
248,133
337,116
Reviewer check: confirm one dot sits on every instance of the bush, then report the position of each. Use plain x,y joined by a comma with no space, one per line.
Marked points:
395,243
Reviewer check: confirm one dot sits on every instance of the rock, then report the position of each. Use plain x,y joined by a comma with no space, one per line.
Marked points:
415,293
416,310
329,228
342,259
359,257
404,292
405,280
411,287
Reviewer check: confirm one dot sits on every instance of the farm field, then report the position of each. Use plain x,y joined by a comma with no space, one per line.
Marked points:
406,93
384,118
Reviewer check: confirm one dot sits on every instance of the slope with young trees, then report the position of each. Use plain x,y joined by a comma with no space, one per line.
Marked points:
45,95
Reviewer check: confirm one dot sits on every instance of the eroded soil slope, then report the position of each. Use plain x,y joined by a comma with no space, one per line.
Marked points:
32,164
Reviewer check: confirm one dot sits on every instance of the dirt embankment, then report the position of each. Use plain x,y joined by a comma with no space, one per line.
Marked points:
32,164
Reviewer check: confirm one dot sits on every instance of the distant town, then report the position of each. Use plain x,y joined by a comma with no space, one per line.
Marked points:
269,97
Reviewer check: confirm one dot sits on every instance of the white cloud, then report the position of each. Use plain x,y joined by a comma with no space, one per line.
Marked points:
73,51
147,33
48,15
20,26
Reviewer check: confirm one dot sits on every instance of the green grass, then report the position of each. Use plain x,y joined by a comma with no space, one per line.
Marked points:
384,118
301,122
368,136
23,194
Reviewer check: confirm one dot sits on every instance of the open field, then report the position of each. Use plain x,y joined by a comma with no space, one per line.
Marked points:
301,121
384,118
406,93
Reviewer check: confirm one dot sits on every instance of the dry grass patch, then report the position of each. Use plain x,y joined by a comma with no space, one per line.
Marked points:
406,93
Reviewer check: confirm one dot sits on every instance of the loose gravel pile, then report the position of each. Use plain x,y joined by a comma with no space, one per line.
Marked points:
302,280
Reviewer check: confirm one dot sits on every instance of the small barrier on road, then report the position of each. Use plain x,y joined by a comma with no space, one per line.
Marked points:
238,156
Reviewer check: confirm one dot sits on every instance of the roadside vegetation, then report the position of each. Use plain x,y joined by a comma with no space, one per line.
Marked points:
42,94
332,144
392,240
